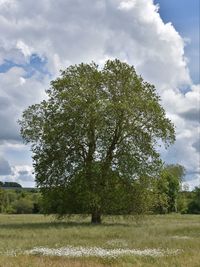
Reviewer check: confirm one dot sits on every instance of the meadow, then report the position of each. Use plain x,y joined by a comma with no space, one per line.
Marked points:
155,240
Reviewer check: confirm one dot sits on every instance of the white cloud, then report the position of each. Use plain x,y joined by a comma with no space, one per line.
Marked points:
22,174
127,4
16,93
24,48
5,168
92,30
72,31
6,2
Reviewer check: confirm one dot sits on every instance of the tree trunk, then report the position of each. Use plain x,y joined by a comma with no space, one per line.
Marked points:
96,217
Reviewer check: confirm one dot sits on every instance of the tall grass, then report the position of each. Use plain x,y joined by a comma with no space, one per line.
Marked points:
23,232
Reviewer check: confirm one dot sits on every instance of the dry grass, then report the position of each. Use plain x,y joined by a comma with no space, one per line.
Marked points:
23,232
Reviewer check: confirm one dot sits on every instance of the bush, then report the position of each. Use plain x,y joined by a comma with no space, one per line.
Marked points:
23,206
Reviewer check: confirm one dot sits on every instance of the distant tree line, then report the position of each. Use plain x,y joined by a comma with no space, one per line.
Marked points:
17,201
10,184
160,195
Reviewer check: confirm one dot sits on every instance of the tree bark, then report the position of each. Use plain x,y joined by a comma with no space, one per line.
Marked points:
96,217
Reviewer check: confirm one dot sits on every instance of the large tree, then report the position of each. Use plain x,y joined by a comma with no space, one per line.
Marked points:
95,137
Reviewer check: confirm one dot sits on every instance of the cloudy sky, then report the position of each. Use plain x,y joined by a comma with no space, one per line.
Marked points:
38,38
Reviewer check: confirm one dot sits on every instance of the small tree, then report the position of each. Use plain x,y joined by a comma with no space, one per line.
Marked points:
94,137
174,174
167,188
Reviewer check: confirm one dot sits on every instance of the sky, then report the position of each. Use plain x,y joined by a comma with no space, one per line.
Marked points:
160,38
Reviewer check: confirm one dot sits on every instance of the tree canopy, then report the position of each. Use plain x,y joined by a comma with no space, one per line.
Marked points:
95,137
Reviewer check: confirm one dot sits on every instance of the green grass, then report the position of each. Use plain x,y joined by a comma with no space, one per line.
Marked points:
22,232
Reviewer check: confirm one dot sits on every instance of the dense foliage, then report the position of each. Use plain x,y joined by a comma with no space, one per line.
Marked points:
94,139
20,201
17,201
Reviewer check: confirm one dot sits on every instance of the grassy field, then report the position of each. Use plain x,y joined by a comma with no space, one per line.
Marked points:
178,233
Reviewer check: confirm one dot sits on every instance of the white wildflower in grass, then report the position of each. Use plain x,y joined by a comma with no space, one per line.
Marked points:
98,252
11,253
173,252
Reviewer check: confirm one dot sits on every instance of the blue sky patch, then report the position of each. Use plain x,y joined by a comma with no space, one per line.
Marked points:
35,64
